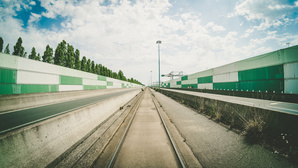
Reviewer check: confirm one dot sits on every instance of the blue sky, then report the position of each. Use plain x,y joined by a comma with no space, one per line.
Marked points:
196,34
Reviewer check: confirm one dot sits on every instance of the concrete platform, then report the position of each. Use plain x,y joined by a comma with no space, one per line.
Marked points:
215,145
283,107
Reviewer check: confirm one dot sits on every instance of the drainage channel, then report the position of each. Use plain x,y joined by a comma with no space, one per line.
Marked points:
145,142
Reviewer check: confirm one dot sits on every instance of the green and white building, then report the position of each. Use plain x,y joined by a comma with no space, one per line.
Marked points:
276,71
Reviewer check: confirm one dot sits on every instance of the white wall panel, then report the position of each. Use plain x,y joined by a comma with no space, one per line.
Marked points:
37,66
112,79
93,82
291,70
28,77
226,77
77,73
70,87
205,86
8,61
226,69
291,86
205,73
190,81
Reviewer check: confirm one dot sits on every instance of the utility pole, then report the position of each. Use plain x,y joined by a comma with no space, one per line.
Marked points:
158,43
151,79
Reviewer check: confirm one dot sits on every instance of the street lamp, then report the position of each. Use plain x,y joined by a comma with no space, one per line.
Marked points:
158,43
151,79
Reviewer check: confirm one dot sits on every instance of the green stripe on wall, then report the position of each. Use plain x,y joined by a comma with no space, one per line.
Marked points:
10,89
207,79
101,78
263,86
184,78
109,83
38,88
69,80
272,72
8,76
93,87
226,86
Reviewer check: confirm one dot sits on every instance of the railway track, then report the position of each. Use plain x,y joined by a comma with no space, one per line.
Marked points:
144,141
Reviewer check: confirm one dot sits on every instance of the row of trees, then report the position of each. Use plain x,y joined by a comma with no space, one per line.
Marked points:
65,55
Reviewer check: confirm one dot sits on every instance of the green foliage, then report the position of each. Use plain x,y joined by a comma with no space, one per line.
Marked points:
7,51
100,69
83,64
37,57
70,57
88,69
48,55
18,49
33,54
60,54
97,70
1,44
92,67
115,75
77,60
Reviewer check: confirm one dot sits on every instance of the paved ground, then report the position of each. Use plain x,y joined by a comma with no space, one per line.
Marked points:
215,145
146,143
20,118
283,107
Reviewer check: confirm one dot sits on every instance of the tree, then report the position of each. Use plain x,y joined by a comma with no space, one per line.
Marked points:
7,51
37,57
18,49
77,60
92,67
1,44
48,55
60,54
83,64
88,69
96,69
70,57
33,54
115,75
120,75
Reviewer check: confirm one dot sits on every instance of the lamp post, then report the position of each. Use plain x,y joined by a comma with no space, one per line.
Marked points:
158,43
151,79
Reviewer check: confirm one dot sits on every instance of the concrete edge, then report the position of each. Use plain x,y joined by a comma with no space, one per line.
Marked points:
188,156
40,144
11,103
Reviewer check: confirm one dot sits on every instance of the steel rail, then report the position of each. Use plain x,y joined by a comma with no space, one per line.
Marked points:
170,137
128,126
124,134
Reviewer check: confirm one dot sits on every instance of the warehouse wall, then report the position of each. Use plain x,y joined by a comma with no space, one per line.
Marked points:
20,75
276,71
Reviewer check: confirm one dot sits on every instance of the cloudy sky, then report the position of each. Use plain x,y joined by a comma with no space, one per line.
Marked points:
121,34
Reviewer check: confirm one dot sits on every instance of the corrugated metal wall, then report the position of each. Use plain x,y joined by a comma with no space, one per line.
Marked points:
276,71
20,75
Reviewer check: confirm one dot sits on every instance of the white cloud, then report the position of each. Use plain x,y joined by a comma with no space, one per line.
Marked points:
33,3
34,18
122,35
271,13
215,27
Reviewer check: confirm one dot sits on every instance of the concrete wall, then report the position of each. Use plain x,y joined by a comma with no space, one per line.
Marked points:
275,72
40,144
237,115
20,75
